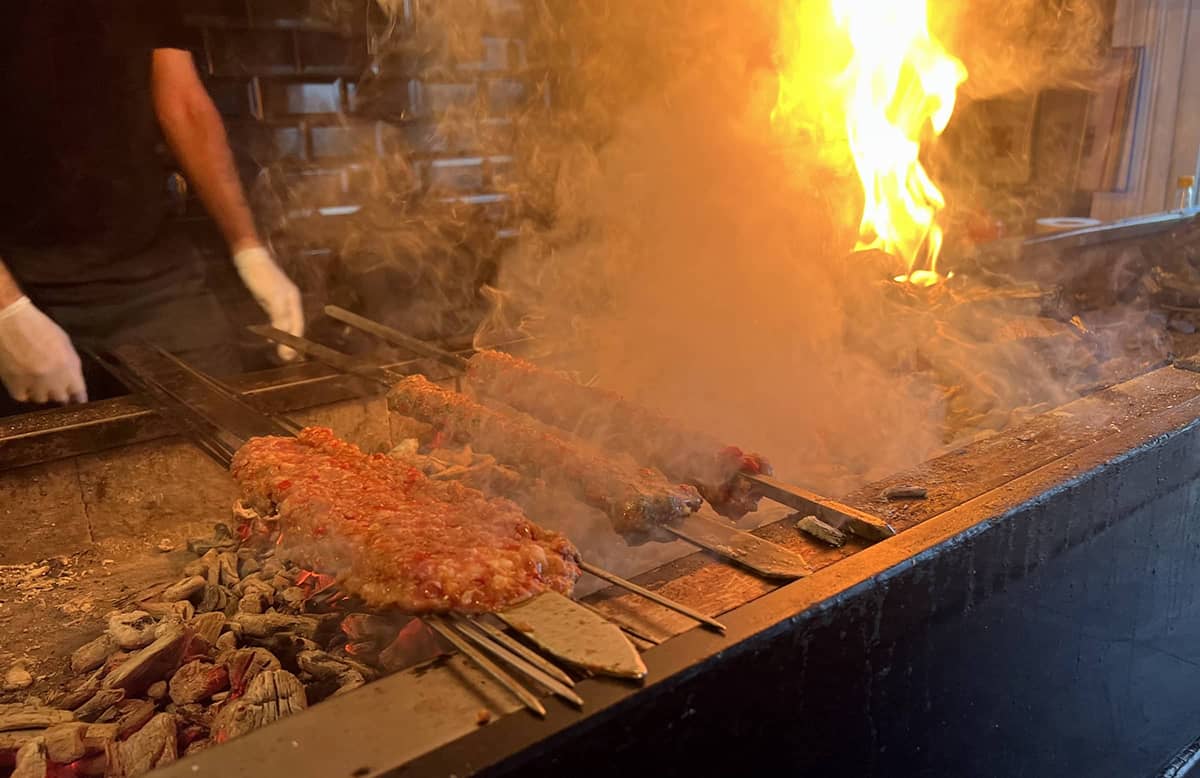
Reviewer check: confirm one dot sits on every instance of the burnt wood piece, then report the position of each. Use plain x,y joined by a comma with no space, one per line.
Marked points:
245,664
12,742
184,589
66,742
272,695
152,663
151,747
208,626
31,760
132,630
92,654
197,681
19,716
265,625
822,531
99,703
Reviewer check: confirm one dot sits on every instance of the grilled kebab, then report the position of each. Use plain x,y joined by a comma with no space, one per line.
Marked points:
395,537
614,422
636,499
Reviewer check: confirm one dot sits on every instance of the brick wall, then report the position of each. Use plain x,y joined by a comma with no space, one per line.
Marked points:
349,123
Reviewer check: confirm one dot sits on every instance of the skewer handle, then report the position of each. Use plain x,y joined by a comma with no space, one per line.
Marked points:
468,630
486,665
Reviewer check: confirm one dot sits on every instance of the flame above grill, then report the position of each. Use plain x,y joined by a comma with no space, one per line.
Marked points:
896,91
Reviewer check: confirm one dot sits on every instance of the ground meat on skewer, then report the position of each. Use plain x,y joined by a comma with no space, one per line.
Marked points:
636,499
395,537
612,421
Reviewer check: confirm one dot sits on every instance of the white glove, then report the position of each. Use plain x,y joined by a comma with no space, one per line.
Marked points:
37,361
274,291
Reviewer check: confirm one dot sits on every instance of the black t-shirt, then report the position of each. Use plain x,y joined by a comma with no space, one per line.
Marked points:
85,175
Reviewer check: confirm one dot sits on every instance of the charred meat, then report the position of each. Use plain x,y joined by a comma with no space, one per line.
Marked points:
395,537
636,499
612,421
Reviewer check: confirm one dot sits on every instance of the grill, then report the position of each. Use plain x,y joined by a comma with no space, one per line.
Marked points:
1047,578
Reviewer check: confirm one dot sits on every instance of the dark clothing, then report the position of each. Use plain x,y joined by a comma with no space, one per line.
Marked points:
85,165
84,192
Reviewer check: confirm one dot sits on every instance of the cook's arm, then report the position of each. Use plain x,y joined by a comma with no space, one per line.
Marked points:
195,132
9,291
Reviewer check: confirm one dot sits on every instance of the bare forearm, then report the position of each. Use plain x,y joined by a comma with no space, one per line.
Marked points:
197,137
9,291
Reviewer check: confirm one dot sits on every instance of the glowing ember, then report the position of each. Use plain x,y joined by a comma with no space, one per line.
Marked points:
898,89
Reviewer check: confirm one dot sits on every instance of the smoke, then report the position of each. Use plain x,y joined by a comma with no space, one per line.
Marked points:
684,250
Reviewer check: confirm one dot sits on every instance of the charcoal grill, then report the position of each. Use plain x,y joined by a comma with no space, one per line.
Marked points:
1036,614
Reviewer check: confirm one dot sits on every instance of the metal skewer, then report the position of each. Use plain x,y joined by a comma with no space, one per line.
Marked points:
514,645
396,337
469,630
842,516
666,602
349,364
526,697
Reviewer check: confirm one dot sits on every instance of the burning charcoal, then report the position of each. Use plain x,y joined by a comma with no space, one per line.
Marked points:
91,655
197,747
183,611
271,567
17,678
12,742
248,564
212,567
95,766
271,696
157,690
31,760
197,681
184,589
209,626
132,715
349,681
100,702
413,644
132,630
216,598
151,747
292,597
152,663
115,660
321,665
226,642
368,627
256,602
905,493
287,646
245,664
254,584
65,742
227,567
821,531
18,716
267,624
281,581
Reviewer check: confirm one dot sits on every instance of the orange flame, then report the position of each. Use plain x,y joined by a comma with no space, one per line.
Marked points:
898,87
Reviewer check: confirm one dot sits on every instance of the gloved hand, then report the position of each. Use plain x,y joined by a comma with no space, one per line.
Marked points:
274,291
37,361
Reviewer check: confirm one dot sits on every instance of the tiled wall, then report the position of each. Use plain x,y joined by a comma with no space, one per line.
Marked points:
335,108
